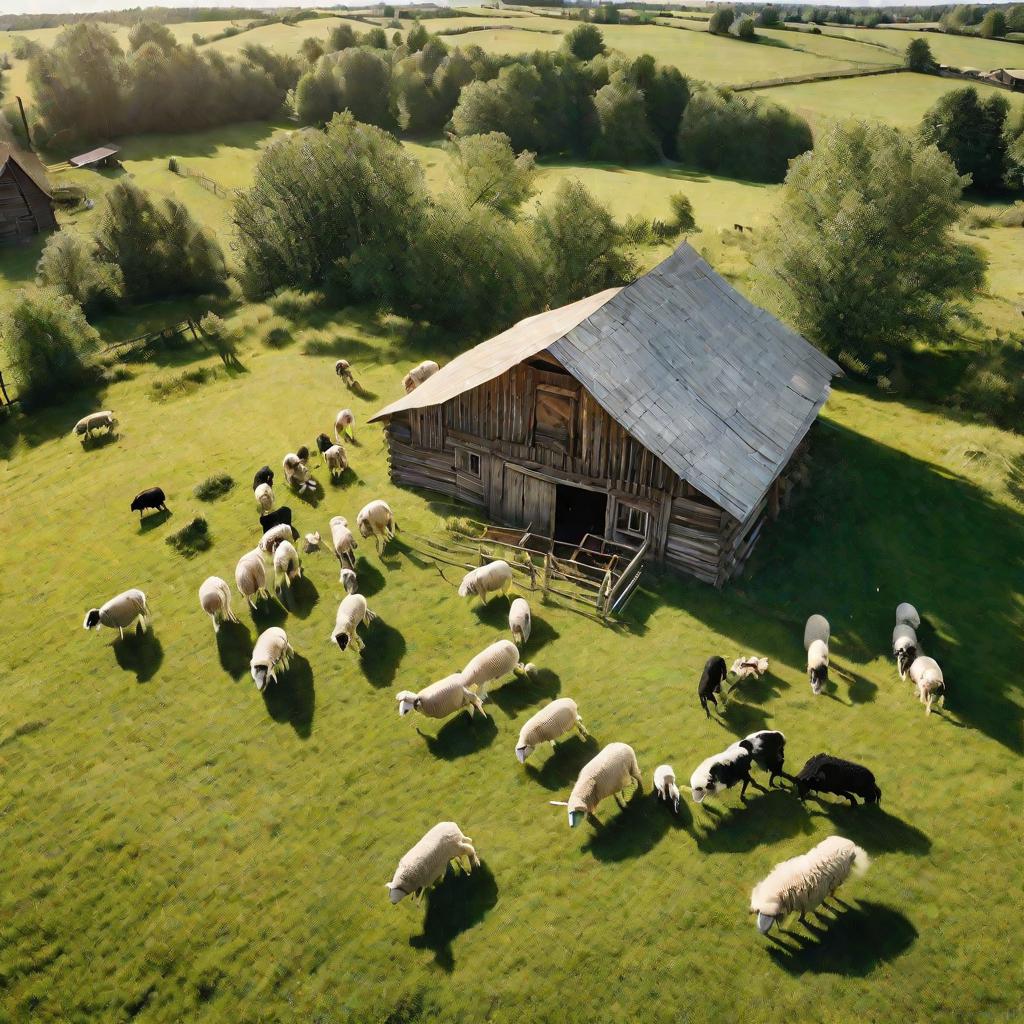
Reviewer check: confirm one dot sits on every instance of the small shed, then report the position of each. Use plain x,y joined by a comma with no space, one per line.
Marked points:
26,201
103,156
666,414
1012,77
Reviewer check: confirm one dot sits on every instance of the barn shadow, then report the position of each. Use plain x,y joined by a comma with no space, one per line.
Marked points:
151,522
454,906
461,736
632,831
765,818
234,648
303,597
852,943
560,770
525,691
877,830
141,653
371,579
292,698
383,653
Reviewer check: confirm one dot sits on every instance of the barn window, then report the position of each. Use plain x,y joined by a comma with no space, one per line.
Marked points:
469,462
556,409
630,519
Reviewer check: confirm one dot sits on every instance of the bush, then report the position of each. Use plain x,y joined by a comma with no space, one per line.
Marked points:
584,42
182,384
213,487
918,56
191,538
743,29
294,304
68,263
721,21
682,219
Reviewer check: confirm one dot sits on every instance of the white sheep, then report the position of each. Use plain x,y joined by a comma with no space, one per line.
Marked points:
905,647
251,577
803,883
418,374
817,633
907,614
215,600
351,612
494,662
492,578
927,678
520,621
605,775
665,785
296,473
750,666
343,542
547,725
120,613
349,581
311,542
440,699
343,368
345,425
426,863
264,495
103,420
377,520
337,461
287,567
274,536
272,652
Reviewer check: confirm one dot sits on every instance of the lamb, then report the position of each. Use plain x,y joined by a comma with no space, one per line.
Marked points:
440,699
349,581
418,374
351,612
665,785
605,775
323,442
710,682
378,520
296,473
345,425
722,771
817,633
426,863
272,652
547,725
520,621
803,883
215,600
824,773
103,420
264,475
264,495
336,460
268,520
343,368
492,578
152,497
745,668
907,614
768,751
120,613
287,566
343,542
927,678
276,535
311,542
251,577
499,659
905,647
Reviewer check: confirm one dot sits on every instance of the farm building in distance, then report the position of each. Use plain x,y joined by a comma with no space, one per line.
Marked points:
103,156
663,415
26,204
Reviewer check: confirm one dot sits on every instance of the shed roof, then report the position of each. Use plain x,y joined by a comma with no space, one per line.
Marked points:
28,162
94,156
717,388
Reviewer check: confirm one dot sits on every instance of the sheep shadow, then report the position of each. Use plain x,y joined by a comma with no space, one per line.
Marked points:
454,906
877,830
147,523
310,496
541,634
371,579
494,613
860,690
397,547
759,691
463,735
854,944
525,691
267,613
560,770
234,648
141,653
98,441
631,831
763,820
365,393
740,718
292,698
303,597
383,653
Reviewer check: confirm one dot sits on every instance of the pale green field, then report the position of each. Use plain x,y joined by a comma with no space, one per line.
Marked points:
960,51
285,38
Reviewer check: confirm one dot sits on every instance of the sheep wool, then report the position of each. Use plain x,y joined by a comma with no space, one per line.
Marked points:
337,461
287,566
927,678
428,860
264,495
520,621
120,612
907,614
440,699
665,785
215,600
251,577
817,665
274,536
377,520
349,581
499,659
418,374
343,542
751,665
104,419
345,425
351,612
272,652
547,725
905,647
311,542
605,775
492,578
803,883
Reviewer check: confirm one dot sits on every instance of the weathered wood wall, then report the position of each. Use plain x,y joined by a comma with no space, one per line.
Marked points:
24,209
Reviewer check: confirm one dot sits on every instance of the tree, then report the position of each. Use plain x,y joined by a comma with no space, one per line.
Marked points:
47,339
970,130
743,28
993,25
584,42
311,49
682,219
768,17
1013,133
417,38
316,96
364,79
341,38
69,265
721,21
143,32
666,93
624,135
918,56
860,257
486,171
376,38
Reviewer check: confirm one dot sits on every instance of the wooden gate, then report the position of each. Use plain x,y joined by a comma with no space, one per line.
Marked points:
527,500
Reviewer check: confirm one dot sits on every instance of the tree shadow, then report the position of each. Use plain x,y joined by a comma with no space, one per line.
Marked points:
292,698
524,691
304,597
454,906
631,831
234,648
462,735
858,941
268,612
877,830
764,819
147,523
141,653
383,653
371,579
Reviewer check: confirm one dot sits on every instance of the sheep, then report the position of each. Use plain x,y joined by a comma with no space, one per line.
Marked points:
817,633
492,578
499,659
547,725
710,682
418,374
440,699
520,621
268,520
272,652
343,368
824,773
251,577
768,751
351,612
296,472
264,475
603,776
905,647
722,771
349,581
215,600
803,883
311,542
907,614
745,668
103,420
425,864
665,785
120,613
264,495
287,566
152,497
335,459
276,535
377,519
927,678
343,542
345,425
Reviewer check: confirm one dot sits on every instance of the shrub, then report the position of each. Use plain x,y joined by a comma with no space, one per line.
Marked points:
293,303
213,487
743,28
918,56
682,219
192,538
720,22
68,263
182,384
584,42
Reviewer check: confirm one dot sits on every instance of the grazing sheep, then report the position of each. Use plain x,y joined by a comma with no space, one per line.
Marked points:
351,612
722,771
603,776
494,662
287,566
268,520
343,542
418,374
440,699
215,600
492,578
824,773
803,883
547,725
276,535
323,442
907,614
426,863
272,652
264,475
311,542
665,785
120,613
264,495
345,425
905,647
336,460
768,751
749,667
251,577
296,473
378,520
926,676
710,682
152,497
520,621
104,420
349,581
344,370
817,633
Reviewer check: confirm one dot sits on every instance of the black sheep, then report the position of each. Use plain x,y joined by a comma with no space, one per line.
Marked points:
768,750
824,773
264,475
280,515
151,497
711,680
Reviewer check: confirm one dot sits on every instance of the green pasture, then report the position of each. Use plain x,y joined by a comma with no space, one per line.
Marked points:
959,51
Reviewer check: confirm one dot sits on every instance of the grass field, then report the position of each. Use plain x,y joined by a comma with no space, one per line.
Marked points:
960,51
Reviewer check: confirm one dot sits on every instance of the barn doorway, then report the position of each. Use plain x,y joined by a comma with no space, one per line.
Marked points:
579,512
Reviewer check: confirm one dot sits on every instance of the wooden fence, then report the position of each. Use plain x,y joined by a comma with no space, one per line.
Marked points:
819,76
203,180
144,341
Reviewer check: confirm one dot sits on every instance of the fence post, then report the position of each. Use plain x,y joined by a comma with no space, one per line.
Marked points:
547,572
3,389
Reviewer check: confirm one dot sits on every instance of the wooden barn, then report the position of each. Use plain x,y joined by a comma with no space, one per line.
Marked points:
26,204
664,415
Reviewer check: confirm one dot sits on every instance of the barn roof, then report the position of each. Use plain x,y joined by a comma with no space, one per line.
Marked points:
28,162
94,156
717,388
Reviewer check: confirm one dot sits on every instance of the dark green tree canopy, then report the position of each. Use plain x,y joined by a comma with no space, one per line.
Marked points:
584,42
971,131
